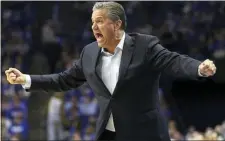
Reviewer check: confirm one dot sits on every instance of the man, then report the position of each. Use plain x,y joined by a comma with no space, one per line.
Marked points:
123,70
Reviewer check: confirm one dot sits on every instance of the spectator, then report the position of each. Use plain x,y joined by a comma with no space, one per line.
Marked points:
54,123
89,133
17,108
19,127
51,46
88,105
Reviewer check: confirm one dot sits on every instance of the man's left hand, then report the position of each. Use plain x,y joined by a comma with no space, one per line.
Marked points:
207,68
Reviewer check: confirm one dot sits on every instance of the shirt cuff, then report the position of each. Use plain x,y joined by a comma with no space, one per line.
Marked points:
27,85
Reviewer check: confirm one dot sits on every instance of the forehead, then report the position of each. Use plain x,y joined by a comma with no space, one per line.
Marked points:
99,13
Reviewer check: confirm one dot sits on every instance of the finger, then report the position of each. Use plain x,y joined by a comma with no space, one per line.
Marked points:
208,62
19,79
10,80
13,79
208,73
12,74
212,67
15,71
208,67
214,70
8,71
7,76
205,67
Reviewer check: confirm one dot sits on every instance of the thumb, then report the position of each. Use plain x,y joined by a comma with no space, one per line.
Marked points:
20,79
204,65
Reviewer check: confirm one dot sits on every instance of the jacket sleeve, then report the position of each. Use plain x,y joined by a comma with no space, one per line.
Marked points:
171,63
70,78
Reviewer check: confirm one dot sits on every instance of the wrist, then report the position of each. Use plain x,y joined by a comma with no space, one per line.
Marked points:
24,79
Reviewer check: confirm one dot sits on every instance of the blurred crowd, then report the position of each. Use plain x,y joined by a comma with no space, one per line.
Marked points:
210,133
194,28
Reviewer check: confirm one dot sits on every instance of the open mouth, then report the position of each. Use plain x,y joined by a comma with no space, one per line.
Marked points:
98,36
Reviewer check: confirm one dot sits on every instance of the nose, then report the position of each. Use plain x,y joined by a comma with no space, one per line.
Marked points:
94,27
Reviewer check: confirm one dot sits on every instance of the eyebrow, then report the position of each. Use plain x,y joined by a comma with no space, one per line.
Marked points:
99,17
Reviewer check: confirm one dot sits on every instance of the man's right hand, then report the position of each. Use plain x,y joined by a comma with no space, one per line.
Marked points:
14,76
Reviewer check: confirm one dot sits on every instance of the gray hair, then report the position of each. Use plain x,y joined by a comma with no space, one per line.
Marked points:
115,11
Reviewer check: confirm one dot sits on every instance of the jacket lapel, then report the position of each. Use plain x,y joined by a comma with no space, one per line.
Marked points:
125,59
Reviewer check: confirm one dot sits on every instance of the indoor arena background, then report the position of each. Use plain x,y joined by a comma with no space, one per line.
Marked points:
46,37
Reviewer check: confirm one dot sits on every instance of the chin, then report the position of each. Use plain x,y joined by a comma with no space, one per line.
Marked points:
100,45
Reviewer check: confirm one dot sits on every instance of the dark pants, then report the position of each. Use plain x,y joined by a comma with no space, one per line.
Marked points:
107,136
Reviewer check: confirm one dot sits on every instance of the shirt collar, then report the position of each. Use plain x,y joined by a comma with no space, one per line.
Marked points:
119,46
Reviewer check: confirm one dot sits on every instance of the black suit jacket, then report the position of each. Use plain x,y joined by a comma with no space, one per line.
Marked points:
134,102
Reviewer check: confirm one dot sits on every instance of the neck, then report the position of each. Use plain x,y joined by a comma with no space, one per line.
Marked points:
111,48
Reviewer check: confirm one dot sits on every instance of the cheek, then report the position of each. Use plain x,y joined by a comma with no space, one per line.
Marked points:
109,32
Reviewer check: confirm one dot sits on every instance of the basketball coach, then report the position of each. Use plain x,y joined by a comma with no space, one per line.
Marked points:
123,70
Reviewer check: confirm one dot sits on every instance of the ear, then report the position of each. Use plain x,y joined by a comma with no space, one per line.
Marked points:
118,25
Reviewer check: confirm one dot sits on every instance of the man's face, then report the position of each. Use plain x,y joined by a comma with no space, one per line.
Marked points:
103,27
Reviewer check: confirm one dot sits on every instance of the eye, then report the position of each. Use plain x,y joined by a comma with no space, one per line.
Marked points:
99,21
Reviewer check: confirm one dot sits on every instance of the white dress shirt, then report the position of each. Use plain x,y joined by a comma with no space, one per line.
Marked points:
110,71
